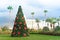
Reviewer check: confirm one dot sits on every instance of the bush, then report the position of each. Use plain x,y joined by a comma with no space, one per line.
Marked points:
34,31
6,32
45,29
57,29
5,28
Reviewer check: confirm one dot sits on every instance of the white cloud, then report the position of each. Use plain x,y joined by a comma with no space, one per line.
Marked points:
28,6
50,3
45,3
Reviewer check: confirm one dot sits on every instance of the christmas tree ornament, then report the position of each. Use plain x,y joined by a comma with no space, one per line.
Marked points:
24,34
25,28
19,27
14,28
13,33
20,22
14,23
18,33
22,17
24,23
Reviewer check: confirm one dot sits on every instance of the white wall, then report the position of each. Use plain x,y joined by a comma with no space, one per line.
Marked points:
41,24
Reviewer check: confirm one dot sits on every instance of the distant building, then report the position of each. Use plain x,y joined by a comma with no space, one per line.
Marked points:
41,24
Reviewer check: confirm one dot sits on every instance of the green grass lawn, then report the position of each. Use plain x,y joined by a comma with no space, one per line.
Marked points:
31,37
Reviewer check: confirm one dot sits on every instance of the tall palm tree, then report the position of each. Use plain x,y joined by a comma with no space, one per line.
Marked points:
49,20
45,11
53,24
58,19
10,10
37,21
52,21
32,18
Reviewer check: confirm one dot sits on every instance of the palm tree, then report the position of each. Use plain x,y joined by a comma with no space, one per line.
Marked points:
37,21
54,24
52,21
32,18
10,10
49,20
58,19
45,11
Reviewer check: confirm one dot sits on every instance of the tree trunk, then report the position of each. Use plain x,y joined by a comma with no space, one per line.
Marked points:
32,21
58,23
38,25
32,24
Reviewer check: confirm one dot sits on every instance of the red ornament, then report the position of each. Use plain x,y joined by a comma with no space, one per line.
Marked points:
25,28
14,28
24,23
18,33
20,22
22,17
13,33
19,27
24,34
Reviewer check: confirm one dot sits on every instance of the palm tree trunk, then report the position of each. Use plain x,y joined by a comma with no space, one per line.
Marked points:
38,25
32,21
53,26
58,23
45,19
9,18
32,24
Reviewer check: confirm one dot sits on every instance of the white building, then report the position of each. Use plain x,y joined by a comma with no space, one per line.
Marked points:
41,24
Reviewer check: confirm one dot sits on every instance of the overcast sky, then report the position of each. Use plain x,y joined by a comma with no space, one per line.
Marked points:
28,6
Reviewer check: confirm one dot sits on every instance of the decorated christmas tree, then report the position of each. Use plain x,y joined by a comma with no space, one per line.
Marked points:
20,27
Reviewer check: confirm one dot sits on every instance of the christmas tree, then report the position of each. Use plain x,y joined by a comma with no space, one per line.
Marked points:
20,27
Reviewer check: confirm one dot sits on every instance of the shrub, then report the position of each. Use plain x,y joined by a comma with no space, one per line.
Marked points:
6,32
33,31
45,29
57,29
5,28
